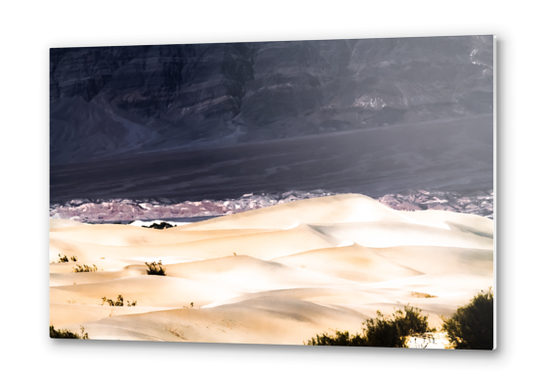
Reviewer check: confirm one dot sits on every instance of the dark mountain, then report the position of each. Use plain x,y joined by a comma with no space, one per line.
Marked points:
112,101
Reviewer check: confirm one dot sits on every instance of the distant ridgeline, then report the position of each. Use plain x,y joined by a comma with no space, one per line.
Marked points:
126,210
480,203
111,100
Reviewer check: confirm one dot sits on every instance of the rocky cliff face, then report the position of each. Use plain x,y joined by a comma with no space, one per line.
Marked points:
110,100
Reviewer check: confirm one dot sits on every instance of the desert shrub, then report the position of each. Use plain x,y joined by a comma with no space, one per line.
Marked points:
471,326
155,269
340,338
118,303
412,322
64,259
65,334
393,331
162,225
85,268
381,331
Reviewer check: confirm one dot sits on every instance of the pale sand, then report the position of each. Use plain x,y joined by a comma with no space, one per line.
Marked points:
125,235
277,275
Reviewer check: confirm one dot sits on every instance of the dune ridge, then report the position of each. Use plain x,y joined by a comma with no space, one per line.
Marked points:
276,275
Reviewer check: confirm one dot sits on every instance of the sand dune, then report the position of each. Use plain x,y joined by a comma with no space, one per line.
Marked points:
443,292
348,208
390,234
146,290
459,221
252,321
251,274
277,275
353,262
442,259
349,299
62,314
62,223
127,235
105,264
265,245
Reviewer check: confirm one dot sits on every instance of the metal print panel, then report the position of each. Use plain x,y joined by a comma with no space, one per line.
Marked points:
299,192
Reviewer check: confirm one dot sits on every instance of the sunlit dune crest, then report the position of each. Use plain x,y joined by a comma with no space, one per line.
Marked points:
347,208
276,275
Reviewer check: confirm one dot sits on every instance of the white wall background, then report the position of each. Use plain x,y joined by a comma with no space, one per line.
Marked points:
29,29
